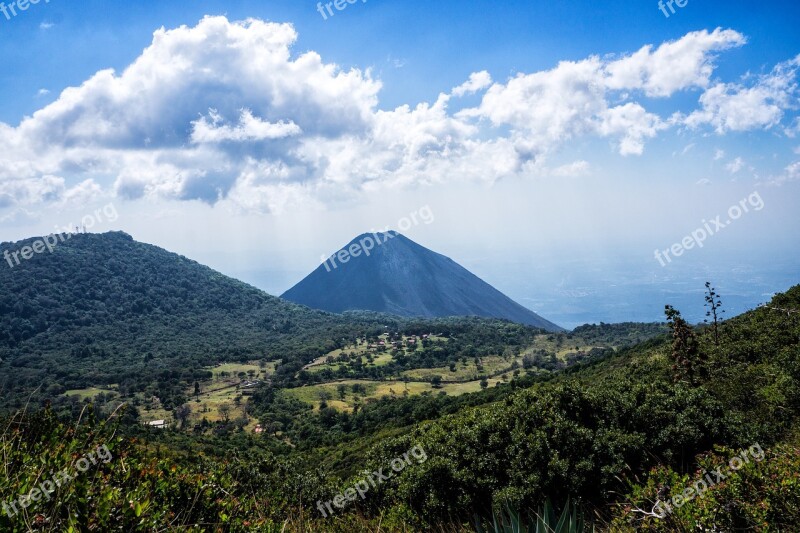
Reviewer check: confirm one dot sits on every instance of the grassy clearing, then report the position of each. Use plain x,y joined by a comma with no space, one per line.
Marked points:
91,392
560,346
234,369
468,372
209,404
381,354
361,348
382,359
207,407
313,395
222,389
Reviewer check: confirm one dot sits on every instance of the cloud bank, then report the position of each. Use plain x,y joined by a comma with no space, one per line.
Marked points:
225,112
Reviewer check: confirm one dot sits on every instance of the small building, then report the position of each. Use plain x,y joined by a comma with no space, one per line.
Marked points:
158,424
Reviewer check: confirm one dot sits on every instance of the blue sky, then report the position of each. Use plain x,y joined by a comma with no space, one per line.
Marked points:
560,140
439,43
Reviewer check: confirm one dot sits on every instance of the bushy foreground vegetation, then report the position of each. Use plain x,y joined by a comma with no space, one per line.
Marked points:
581,435
616,436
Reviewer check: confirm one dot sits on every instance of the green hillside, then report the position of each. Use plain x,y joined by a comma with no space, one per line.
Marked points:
273,409
618,435
105,315
104,309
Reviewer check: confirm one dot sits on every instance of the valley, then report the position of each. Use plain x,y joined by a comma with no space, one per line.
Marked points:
271,398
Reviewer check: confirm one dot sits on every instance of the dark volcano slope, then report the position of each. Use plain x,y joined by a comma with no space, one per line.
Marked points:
400,277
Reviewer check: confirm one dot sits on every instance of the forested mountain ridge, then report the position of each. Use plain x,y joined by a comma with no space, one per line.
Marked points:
103,308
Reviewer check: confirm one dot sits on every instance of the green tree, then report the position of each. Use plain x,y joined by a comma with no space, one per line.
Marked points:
688,361
714,305
181,414
224,411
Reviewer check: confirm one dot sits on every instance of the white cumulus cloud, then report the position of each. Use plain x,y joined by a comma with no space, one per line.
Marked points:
673,66
210,130
739,107
477,81
228,112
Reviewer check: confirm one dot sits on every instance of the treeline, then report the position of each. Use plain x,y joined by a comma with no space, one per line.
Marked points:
464,339
621,334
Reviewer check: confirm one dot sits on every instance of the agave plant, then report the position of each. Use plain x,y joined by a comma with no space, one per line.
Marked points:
544,521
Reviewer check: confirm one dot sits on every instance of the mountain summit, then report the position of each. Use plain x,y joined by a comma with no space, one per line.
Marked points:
389,273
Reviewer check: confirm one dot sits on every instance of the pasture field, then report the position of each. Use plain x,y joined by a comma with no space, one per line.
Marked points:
314,394
91,392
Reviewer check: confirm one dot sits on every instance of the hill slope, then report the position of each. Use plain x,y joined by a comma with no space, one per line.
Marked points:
105,309
617,435
594,431
402,278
